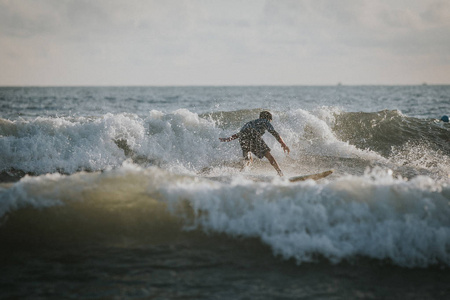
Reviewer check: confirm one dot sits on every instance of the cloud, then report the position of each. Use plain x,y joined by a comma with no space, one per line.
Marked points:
222,42
437,13
17,19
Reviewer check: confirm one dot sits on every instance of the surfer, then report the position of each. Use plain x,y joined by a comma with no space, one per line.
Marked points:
250,139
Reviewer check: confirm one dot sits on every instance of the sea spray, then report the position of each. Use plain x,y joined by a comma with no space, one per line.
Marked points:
375,216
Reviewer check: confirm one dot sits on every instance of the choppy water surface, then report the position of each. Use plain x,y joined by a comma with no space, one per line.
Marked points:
127,192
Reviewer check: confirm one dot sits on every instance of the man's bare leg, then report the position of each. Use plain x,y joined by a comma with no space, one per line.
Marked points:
247,161
273,162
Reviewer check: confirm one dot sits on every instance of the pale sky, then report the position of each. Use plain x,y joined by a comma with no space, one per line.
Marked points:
224,42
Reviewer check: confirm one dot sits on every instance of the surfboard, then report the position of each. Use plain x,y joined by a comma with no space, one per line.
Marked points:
266,178
311,176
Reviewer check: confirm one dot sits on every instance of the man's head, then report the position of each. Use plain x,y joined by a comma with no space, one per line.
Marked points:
265,115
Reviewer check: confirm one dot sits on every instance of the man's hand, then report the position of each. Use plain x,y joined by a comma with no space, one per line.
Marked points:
285,148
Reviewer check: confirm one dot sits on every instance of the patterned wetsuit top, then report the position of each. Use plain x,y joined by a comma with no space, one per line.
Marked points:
260,126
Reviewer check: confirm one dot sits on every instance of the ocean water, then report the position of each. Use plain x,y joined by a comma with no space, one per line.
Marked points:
127,193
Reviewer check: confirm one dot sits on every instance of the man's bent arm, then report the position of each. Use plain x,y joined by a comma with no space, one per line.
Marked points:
283,145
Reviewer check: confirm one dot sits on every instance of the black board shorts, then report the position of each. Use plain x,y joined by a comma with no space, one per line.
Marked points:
251,141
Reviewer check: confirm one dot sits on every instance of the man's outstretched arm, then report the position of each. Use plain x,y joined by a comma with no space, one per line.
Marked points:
233,137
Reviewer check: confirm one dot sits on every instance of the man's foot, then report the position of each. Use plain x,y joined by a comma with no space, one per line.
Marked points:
247,162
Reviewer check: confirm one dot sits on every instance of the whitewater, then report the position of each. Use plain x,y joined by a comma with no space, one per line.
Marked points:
120,170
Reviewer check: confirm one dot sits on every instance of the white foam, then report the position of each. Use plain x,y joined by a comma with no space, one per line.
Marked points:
61,144
50,190
311,132
27,193
68,145
180,140
374,216
182,136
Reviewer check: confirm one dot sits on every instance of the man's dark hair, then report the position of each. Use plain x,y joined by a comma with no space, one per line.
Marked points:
265,115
